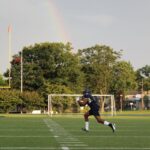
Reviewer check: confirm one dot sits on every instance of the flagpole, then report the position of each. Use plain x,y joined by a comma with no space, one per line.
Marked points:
9,51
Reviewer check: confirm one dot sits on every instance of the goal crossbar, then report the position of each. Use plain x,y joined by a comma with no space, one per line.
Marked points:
74,95
78,95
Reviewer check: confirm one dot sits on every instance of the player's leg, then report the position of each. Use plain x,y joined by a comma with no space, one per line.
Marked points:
100,120
86,119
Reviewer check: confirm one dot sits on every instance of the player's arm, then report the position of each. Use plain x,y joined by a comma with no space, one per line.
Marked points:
82,101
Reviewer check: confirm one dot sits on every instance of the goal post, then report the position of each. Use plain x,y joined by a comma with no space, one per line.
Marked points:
51,98
8,85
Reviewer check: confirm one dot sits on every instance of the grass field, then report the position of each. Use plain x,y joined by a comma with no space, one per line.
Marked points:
24,132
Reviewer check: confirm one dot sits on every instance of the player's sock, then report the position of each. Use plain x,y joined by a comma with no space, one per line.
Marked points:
106,123
111,125
87,125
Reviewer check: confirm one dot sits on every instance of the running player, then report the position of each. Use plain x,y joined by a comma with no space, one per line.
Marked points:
93,103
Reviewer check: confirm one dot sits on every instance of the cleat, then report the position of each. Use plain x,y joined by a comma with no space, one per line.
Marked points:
83,129
112,127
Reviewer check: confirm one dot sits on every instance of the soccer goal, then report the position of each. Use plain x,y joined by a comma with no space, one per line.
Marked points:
107,102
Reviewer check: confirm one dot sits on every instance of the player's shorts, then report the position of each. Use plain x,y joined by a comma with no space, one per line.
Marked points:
94,112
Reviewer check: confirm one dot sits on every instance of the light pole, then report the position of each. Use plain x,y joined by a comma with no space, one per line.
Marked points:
142,95
21,70
21,76
142,90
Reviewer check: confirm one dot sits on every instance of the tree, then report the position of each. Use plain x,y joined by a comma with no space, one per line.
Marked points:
123,80
143,78
31,101
14,101
97,64
9,100
47,62
15,72
123,77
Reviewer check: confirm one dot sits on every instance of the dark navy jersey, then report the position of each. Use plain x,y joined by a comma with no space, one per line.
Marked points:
93,102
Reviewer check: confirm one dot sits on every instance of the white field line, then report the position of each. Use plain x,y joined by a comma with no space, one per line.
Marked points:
122,126
63,135
73,145
29,148
63,139
29,129
23,136
118,130
110,148
70,142
74,148
77,130
65,148
115,136
23,129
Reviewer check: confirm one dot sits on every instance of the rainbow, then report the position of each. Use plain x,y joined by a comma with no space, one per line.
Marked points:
58,23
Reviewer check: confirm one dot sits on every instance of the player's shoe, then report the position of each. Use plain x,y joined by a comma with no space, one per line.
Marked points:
83,129
113,127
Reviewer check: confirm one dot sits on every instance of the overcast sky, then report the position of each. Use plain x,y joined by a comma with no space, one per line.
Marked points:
120,24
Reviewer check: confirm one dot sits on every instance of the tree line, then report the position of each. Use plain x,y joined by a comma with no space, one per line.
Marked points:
56,68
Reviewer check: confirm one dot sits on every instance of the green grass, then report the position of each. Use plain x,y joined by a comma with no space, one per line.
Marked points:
64,132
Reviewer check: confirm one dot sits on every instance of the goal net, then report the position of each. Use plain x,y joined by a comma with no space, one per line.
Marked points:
66,103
